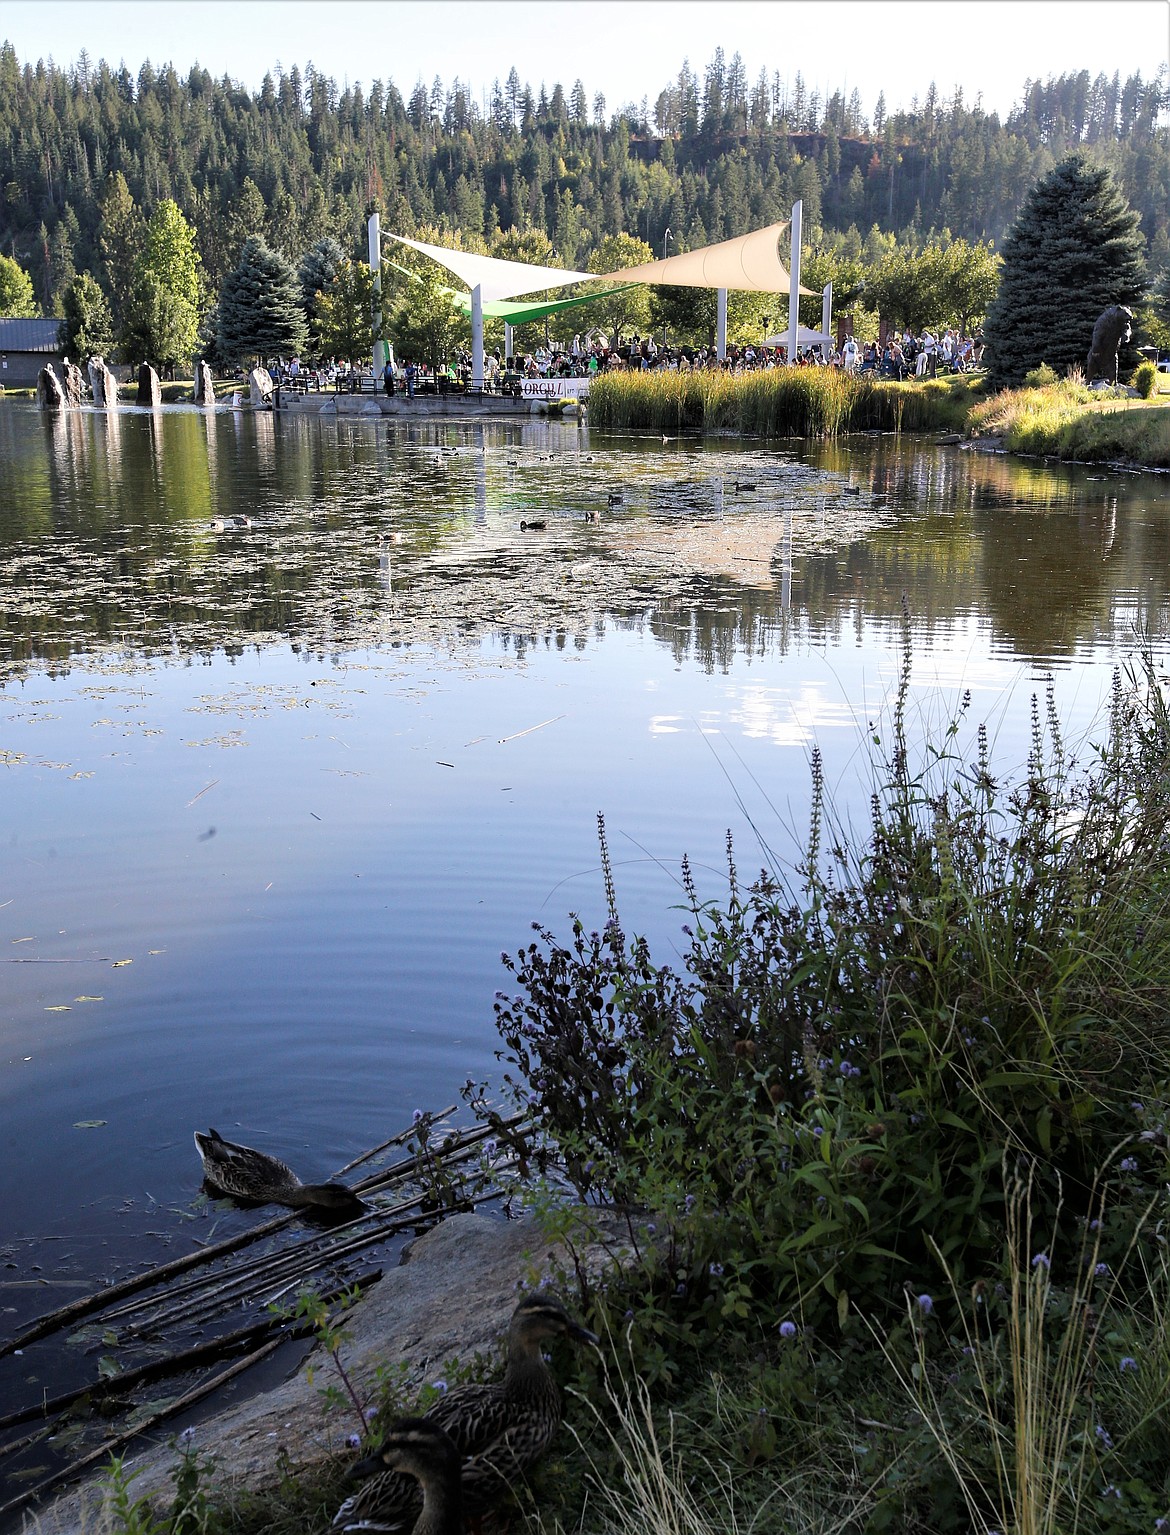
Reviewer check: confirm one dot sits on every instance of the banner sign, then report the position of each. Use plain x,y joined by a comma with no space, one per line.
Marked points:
554,388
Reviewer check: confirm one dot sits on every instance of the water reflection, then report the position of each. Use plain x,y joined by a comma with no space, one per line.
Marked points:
105,526
400,715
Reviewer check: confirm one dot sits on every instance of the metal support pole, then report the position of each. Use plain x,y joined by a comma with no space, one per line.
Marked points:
827,320
374,230
721,324
794,283
508,352
477,337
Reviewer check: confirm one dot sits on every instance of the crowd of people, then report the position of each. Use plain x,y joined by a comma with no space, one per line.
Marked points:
901,355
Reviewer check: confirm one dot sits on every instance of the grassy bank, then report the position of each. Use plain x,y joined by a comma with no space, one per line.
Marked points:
800,402
892,1136
1066,420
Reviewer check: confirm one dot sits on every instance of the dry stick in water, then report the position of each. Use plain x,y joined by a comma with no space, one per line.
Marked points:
196,1394
88,1304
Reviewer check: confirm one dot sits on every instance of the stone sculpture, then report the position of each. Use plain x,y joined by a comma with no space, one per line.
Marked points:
103,384
74,383
1111,329
260,388
50,395
204,387
149,388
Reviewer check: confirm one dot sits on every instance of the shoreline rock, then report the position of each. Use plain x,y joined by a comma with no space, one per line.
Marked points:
452,1295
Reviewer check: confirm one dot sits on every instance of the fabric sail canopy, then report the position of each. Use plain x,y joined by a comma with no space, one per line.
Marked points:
498,279
517,314
748,264
804,337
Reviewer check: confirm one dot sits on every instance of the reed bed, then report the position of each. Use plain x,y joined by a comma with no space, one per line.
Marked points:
796,402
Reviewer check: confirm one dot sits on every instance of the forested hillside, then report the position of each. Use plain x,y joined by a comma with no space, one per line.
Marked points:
707,158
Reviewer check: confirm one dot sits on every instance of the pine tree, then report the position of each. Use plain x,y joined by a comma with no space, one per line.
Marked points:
1074,250
260,312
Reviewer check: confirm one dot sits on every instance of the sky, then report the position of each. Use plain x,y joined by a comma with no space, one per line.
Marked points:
623,49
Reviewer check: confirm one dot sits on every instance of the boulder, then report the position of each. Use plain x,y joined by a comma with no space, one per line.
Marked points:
103,384
74,384
204,386
260,388
50,395
149,388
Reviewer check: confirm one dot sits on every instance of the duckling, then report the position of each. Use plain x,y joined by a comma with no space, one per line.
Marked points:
500,1429
418,1448
537,526
247,1174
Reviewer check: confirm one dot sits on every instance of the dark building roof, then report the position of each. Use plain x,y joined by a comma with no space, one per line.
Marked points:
29,336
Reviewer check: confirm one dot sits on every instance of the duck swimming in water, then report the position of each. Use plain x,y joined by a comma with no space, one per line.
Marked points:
254,1175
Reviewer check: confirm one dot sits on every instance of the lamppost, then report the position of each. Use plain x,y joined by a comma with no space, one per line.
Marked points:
666,236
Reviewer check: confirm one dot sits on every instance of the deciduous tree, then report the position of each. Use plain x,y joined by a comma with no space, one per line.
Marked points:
87,329
17,299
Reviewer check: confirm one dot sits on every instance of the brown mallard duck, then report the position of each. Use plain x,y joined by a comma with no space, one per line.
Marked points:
254,1175
418,1448
499,1429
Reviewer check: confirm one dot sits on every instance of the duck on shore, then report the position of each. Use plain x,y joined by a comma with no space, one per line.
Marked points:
244,1173
418,1448
499,1429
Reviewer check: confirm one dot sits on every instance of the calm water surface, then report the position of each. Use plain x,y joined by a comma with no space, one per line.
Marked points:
274,802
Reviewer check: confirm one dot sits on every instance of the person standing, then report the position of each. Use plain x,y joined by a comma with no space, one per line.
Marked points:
388,378
409,373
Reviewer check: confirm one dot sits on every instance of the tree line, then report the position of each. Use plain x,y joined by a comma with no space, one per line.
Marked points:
92,158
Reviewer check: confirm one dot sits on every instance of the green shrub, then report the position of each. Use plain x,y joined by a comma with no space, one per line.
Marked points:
1145,378
816,1107
1039,378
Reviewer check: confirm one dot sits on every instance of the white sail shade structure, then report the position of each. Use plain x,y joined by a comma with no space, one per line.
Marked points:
804,337
748,264
494,278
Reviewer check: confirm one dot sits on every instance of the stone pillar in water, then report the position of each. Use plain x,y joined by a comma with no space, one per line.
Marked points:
74,384
260,388
50,395
204,387
103,383
149,389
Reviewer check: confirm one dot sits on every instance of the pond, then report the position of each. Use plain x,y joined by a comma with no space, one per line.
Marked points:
276,799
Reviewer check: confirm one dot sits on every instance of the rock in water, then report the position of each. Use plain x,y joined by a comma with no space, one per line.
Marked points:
149,388
103,384
204,387
50,395
260,388
74,384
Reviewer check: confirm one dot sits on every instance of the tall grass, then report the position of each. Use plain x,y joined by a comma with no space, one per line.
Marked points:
1067,420
644,1482
784,402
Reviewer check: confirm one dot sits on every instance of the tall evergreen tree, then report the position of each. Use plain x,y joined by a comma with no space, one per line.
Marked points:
1074,250
260,312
